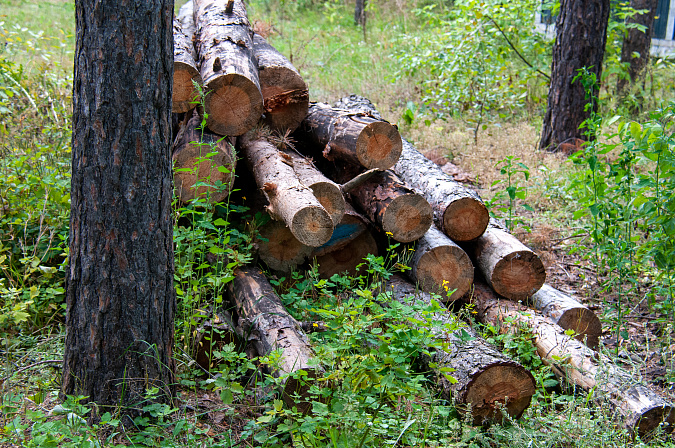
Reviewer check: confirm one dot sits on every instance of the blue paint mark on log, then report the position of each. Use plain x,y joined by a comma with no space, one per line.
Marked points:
343,232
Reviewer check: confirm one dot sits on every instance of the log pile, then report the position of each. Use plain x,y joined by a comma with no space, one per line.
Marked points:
338,180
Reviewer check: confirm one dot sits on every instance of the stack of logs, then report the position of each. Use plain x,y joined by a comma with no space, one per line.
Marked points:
338,181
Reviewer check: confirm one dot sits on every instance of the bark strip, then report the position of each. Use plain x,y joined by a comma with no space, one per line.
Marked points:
487,380
641,409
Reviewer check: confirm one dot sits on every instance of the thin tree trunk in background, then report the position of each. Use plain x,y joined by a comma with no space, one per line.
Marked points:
580,42
637,43
119,283
360,12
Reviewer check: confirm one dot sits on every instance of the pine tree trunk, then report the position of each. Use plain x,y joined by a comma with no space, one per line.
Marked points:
440,266
486,380
581,33
190,152
264,318
458,211
289,200
637,43
234,102
569,314
119,284
285,94
360,12
512,269
354,138
642,409
185,72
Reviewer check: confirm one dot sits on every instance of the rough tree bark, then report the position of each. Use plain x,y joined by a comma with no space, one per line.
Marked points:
581,34
637,43
119,282
360,12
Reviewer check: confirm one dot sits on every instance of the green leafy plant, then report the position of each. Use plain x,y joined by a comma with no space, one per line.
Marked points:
506,200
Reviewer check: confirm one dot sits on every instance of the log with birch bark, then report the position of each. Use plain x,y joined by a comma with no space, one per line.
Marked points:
512,269
270,327
224,43
641,409
440,266
202,156
569,313
354,138
458,211
487,381
185,70
289,200
285,93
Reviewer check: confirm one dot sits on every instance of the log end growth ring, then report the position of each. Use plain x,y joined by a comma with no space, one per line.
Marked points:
518,275
465,219
653,418
585,324
312,226
282,250
234,104
445,266
501,386
204,170
379,145
407,218
331,198
184,92
284,108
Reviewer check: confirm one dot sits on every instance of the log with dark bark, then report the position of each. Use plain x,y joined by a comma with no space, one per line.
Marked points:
569,313
641,408
355,138
347,257
581,34
285,94
487,380
439,265
270,327
289,200
233,102
279,249
458,211
212,335
202,156
392,206
325,190
185,71
511,268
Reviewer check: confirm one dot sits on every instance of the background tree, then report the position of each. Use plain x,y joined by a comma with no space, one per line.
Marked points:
637,41
119,284
581,34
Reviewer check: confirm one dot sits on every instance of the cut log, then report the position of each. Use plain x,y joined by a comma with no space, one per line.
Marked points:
641,408
351,137
487,380
212,335
439,265
285,94
349,228
185,72
290,201
569,313
325,190
271,328
186,17
458,211
393,206
202,156
510,268
279,249
348,257
224,43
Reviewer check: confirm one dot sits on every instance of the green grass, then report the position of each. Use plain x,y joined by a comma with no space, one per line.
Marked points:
373,401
